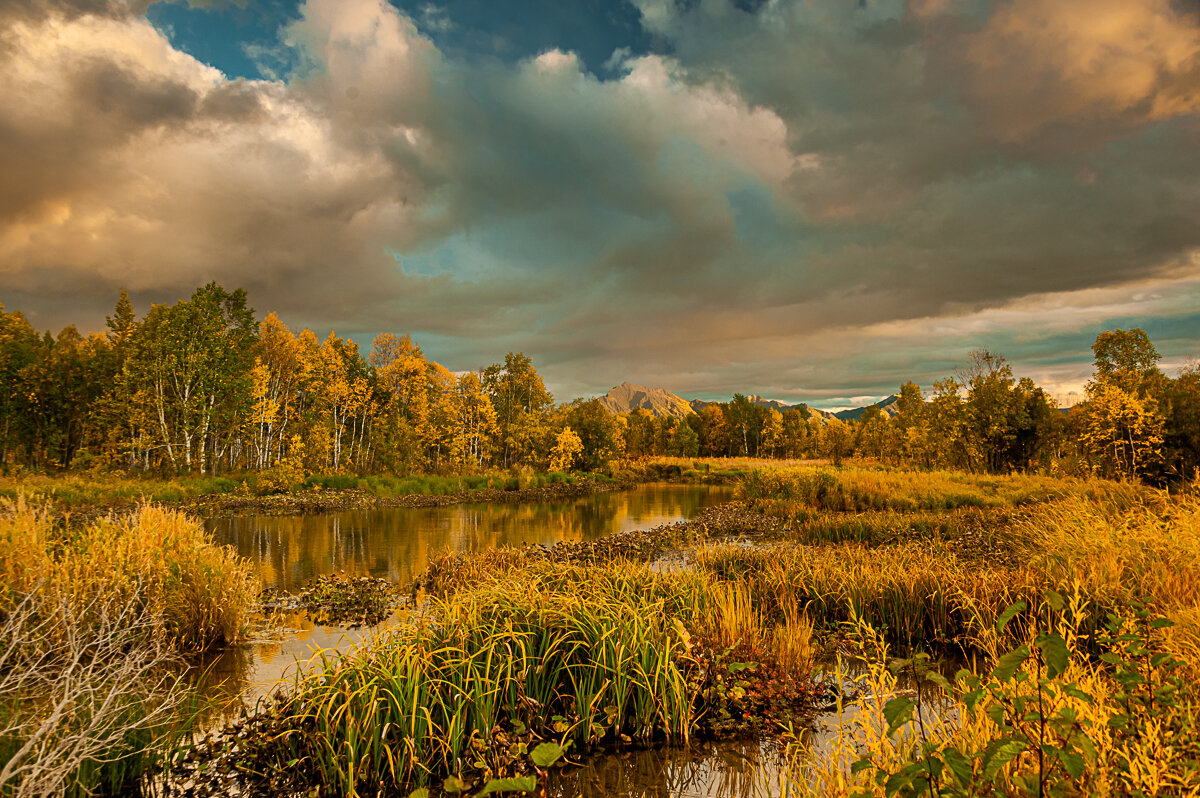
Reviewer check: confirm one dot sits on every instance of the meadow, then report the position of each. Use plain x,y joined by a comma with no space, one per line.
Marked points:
100,491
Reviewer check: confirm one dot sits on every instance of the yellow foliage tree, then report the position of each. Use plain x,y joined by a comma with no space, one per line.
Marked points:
566,450
1122,432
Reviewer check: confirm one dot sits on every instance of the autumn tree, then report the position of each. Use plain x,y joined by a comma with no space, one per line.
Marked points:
567,450
1122,432
1127,360
713,431
837,440
1122,422
772,433
475,423
800,431
871,433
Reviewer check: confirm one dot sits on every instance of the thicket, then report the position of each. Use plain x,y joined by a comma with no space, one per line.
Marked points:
94,621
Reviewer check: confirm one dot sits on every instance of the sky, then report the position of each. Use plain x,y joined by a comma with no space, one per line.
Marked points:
809,200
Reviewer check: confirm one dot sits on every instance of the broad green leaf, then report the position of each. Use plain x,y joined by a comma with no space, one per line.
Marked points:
897,712
1054,652
421,792
1010,612
1007,665
999,753
959,765
518,784
1055,600
861,765
453,784
1072,761
546,754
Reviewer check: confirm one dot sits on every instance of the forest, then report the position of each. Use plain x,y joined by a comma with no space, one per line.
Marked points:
202,387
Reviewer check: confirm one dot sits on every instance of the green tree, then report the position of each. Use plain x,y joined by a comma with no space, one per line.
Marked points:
599,431
521,402
20,347
191,363
683,441
1126,359
1182,437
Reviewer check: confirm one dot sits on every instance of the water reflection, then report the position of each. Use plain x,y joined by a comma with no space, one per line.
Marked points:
396,543
743,768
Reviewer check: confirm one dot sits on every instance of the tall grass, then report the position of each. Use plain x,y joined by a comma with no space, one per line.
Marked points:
576,654
793,492
160,558
100,489
386,487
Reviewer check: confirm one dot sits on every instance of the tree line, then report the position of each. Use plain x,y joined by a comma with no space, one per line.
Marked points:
201,387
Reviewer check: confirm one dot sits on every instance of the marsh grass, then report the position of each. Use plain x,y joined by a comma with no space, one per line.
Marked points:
70,490
75,490
159,557
791,492
580,655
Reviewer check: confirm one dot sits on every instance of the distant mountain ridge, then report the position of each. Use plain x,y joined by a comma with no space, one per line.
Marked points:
661,402
889,406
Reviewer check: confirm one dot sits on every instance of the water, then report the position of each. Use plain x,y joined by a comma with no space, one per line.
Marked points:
396,544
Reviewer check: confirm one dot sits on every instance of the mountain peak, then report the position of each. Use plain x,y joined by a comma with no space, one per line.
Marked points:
627,396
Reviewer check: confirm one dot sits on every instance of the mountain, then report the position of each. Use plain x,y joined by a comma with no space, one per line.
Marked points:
755,399
889,407
659,401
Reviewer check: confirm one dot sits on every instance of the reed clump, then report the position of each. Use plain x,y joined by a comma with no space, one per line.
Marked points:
795,492
160,558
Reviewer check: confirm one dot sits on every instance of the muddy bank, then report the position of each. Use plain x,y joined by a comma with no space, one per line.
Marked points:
318,501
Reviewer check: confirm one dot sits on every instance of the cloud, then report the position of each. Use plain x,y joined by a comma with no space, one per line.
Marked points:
1072,72
812,198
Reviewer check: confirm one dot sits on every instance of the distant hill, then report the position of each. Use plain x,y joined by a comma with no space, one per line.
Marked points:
659,401
889,406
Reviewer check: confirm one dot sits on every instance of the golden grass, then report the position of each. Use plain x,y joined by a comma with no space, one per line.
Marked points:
161,558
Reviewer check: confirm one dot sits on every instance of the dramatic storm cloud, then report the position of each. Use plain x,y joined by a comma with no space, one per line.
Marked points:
807,199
